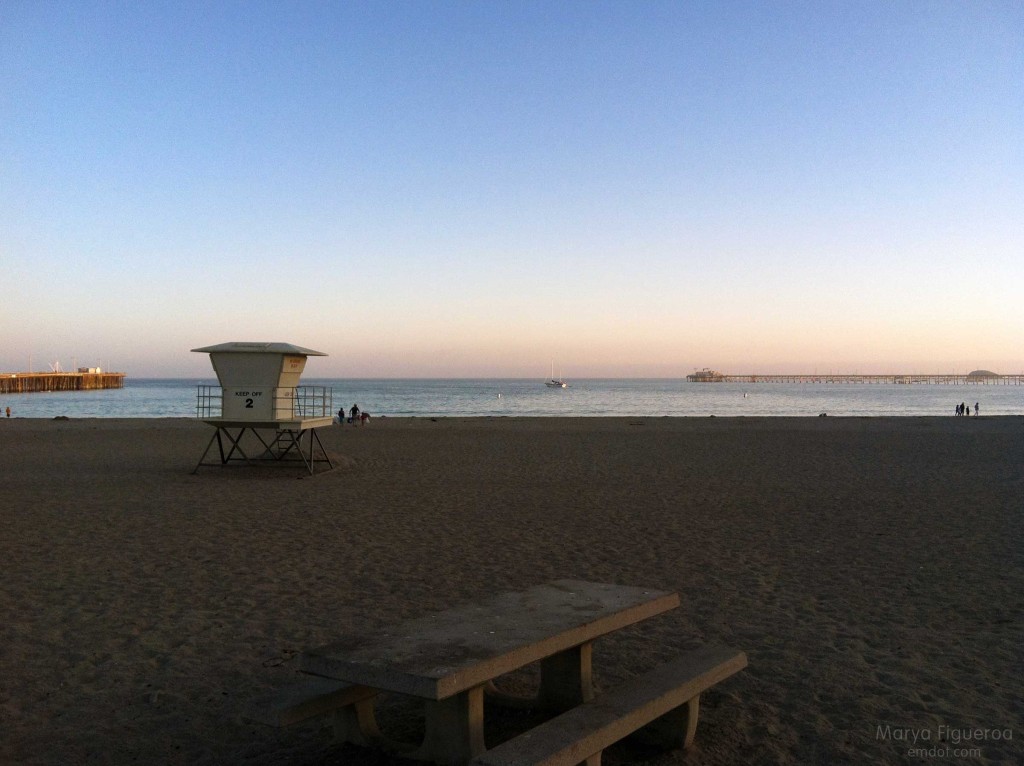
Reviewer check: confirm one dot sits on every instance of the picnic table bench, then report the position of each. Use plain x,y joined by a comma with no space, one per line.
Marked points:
661,706
451,659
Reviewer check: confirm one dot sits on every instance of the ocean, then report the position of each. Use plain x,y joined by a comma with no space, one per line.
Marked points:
158,398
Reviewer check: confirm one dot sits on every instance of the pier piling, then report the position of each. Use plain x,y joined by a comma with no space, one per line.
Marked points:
38,382
710,376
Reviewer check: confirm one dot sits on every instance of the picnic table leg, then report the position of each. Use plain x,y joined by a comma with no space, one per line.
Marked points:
566,679
676,728
454,729
355,723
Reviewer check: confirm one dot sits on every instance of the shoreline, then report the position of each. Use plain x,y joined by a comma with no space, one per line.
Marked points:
402,418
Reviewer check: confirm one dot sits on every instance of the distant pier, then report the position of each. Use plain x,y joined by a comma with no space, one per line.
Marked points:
39,382
978,377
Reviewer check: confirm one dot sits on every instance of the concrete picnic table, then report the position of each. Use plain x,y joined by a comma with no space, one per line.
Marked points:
450,658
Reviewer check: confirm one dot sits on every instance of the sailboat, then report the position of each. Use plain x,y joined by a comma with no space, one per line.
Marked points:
555,382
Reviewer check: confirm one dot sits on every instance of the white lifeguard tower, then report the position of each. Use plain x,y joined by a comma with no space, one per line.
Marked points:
259,394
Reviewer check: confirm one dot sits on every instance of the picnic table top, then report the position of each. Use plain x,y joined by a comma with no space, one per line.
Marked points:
445,653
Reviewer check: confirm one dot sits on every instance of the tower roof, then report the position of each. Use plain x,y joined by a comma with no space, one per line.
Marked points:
245,347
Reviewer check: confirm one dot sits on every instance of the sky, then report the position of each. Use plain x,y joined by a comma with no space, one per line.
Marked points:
493,189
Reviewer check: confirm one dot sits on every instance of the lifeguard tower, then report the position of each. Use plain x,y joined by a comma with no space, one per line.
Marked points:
259,394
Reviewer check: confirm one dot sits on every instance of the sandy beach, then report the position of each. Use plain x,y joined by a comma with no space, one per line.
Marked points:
872,569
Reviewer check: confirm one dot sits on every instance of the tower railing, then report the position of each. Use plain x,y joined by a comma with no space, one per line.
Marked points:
297,403
306,401
209,402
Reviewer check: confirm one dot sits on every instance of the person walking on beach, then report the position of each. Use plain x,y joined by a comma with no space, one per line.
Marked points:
975,409
354,413
8,412
341,416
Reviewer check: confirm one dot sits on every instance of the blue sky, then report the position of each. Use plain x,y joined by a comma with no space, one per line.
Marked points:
479,188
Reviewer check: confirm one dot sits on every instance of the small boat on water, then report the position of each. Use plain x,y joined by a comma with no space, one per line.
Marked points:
555,382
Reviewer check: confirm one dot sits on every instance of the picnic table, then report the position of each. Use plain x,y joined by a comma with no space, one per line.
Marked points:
449,659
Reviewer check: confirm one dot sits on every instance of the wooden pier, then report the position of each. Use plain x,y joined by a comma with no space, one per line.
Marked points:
38,382
948,380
